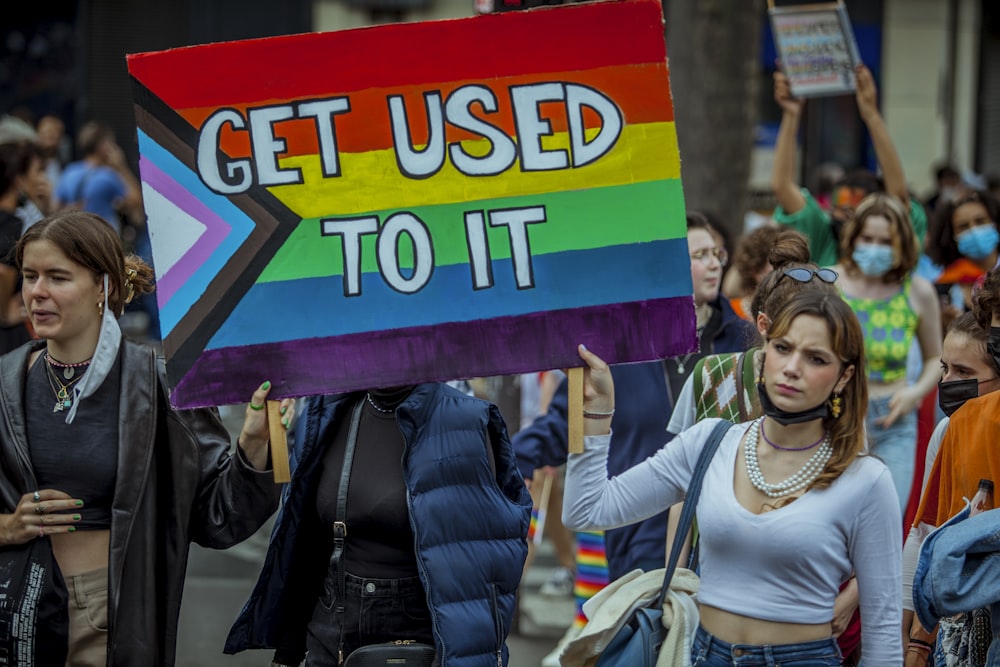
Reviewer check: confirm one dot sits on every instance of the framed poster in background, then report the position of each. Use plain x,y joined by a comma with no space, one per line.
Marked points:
817,47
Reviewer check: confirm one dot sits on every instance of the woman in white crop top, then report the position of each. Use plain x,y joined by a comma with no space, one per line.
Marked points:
789,508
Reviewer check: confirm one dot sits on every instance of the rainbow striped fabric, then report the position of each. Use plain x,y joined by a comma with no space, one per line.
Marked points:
414,202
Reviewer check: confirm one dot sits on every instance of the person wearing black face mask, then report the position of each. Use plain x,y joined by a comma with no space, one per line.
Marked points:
969,366
967,372
970,363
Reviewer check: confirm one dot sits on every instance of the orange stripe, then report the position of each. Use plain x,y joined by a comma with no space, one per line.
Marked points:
641,91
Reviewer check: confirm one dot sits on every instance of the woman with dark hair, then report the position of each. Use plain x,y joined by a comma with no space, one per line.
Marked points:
964,241
94,462
773,553
967,372
879,251
966,455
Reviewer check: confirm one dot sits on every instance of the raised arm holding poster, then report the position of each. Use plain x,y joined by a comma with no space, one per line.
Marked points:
817,47
414,202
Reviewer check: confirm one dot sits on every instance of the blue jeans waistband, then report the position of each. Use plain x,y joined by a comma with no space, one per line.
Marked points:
824,651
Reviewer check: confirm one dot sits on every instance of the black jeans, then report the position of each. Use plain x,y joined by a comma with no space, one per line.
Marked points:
376,610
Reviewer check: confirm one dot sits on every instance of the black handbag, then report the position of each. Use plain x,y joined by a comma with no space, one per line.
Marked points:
637,643
400,652
403,652
34,606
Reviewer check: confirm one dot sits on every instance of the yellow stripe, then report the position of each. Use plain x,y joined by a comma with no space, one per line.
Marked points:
371,181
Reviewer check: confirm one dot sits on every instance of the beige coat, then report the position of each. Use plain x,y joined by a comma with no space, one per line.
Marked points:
607,612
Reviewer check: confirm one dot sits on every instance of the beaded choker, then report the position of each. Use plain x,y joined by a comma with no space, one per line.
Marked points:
800,480
68,370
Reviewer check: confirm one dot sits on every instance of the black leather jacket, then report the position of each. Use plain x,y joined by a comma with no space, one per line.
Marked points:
177,483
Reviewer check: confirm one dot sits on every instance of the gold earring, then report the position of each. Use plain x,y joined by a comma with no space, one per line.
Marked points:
100,308
836,406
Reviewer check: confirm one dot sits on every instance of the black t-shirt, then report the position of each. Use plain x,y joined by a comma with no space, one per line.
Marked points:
379,540
81,458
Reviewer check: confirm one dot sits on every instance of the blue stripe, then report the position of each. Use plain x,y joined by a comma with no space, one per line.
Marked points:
241,226
316,308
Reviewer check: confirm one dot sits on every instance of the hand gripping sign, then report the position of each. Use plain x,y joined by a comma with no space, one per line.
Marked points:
414,202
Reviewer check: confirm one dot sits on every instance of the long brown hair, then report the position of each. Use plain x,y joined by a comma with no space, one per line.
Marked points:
847,433
91,242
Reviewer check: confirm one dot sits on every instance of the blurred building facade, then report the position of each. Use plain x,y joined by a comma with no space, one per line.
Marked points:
937,63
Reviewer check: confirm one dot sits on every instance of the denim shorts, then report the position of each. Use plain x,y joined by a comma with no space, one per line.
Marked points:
376,611
709,651
896,446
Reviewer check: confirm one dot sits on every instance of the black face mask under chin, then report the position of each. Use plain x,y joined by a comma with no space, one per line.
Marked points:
953,395
821,411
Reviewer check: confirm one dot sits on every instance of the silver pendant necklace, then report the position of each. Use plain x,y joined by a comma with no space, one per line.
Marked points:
681,362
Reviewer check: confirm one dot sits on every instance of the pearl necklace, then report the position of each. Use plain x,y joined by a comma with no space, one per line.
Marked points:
800,480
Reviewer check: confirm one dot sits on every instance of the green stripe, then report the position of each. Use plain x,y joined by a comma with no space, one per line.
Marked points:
576,220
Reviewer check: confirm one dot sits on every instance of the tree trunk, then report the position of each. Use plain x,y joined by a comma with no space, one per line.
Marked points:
713,48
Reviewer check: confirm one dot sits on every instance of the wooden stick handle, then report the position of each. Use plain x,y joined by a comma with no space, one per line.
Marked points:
543,508
279,443
575,410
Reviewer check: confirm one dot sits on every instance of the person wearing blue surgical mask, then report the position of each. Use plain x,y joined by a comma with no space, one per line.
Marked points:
879,252
965,241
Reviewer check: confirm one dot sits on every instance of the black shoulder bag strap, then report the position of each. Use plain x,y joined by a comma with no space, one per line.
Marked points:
340,524
690,503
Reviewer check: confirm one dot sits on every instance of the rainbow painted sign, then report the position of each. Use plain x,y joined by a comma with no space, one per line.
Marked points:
414,202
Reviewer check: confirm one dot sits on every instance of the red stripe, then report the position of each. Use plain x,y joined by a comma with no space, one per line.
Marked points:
565,38
641,91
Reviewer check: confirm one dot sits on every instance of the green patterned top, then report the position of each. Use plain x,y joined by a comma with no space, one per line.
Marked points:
889,326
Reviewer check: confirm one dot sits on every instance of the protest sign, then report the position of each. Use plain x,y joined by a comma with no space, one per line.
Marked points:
414,202
817,48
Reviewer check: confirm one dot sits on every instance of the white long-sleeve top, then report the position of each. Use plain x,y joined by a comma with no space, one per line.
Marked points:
785,565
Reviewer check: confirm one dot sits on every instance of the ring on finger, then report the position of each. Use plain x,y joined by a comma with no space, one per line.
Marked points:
37,497
39,509
41,531
255,407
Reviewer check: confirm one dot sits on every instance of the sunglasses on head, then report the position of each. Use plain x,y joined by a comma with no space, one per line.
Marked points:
803,275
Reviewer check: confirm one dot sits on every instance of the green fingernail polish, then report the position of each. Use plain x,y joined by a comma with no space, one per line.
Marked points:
76,517
72,529
284,422
266,385
79,503
284,410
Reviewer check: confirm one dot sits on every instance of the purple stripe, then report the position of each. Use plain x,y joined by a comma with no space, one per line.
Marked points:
216,229
618,333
